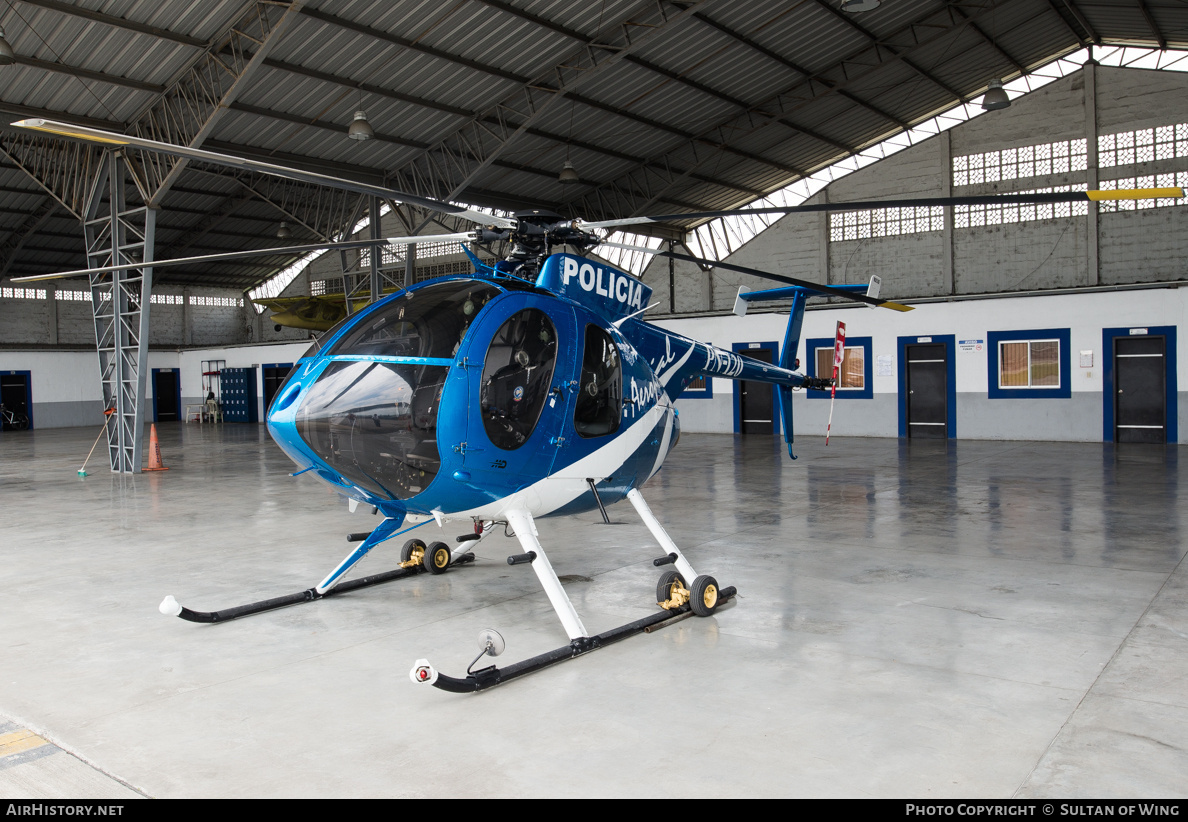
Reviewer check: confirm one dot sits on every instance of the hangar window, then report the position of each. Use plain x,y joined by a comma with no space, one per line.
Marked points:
979,215
885,222
1143,145
1061,157
853,377
23,293
1029,363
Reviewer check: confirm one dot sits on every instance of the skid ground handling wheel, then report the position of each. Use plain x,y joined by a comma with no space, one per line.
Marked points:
414,549
436,558
702,598
704,595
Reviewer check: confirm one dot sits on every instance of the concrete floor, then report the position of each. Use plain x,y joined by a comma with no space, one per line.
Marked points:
969,619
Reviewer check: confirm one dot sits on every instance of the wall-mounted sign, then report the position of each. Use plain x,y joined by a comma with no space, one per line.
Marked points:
923,339
971,345
1087,359
1141,332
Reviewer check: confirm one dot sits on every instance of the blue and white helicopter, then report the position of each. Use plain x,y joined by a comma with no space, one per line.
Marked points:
529,389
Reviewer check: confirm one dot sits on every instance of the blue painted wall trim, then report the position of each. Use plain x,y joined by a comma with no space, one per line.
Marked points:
1063,391
743,348
1170,381
950,343
810,354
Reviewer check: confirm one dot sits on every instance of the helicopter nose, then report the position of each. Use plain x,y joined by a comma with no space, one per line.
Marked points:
374,424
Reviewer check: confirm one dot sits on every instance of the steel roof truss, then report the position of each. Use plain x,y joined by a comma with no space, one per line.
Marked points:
187,114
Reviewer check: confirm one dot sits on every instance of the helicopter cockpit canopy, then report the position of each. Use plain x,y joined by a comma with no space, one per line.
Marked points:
429,322
374,421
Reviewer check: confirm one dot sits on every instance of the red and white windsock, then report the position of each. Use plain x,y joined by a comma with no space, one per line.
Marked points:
839,353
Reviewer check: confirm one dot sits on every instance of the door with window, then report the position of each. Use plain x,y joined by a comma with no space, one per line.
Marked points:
520,396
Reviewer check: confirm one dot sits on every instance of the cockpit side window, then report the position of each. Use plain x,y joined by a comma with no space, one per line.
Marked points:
427,322
599,406
517,376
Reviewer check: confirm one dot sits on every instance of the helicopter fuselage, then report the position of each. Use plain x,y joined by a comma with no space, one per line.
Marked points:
467,397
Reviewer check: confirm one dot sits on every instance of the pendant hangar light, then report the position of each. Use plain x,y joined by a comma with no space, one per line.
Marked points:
568,173
360,129
7,55
996,97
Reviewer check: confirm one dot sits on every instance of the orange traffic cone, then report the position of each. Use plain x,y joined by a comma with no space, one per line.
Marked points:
155,452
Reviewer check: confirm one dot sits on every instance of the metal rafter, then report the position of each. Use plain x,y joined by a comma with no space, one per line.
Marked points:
118,22
63,168
215,217
663,72
1146,12
637,189
1094,37
87,74
1082,37
784,61
20,236
189,111
433,105
970,20
443,172
523,80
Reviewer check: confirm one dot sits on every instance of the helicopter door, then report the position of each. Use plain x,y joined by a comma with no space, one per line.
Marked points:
520,397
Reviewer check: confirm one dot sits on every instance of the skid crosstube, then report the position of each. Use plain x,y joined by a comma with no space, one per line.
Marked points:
308,595
489,677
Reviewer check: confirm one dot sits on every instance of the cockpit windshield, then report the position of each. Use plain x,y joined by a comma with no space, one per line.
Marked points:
428,322
375,423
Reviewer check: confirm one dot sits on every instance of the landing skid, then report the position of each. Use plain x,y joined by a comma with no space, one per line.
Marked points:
308,595
491,676
415,557
678,599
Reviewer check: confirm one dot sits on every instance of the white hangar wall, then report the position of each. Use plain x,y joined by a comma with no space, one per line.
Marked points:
1079,417
1059,260
65,383
66,392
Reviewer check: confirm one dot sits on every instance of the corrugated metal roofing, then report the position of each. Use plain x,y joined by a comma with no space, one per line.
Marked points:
733,100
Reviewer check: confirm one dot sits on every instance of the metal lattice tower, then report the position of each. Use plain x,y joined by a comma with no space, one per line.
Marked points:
117,234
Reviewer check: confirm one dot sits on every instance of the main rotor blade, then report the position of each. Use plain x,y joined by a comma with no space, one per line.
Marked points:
94,135
779,278
227,256
919,202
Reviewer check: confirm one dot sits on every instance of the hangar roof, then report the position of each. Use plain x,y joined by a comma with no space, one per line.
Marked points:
662,106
